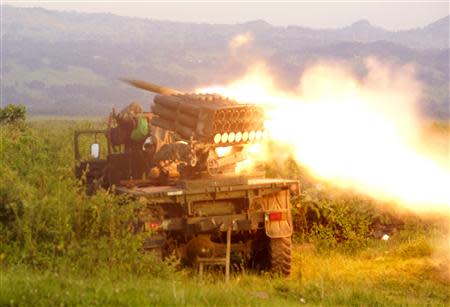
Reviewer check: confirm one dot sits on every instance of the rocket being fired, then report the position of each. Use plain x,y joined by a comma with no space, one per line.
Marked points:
353,133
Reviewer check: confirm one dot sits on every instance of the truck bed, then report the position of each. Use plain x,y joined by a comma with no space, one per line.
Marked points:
231,187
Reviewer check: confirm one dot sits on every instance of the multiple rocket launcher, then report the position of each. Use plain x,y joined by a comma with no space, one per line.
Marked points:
208,118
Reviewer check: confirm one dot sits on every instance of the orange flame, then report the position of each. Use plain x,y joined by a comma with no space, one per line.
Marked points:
356,134
223,151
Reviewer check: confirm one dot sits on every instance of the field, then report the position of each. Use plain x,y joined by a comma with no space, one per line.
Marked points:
60,247
387,274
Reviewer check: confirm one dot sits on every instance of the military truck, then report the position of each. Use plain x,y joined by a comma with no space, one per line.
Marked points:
181,163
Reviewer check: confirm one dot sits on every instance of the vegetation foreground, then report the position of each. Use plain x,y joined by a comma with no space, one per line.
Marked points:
60,247
387,274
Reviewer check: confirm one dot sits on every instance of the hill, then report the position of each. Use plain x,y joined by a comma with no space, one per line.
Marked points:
68,63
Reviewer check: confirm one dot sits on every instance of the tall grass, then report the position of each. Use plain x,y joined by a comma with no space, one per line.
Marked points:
47,220
61,247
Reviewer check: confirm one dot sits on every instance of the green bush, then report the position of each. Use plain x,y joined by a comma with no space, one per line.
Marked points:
47,220
12,113
330,217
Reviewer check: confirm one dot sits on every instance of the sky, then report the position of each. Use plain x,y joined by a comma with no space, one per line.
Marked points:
392,15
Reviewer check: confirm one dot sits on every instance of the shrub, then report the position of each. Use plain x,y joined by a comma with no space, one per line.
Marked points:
47,220
12,113
330,217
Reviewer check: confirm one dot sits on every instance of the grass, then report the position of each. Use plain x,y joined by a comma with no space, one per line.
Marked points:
382,276
410,272
59,247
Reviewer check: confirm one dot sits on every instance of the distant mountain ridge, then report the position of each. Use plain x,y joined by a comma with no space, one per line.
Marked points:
68,62
27,22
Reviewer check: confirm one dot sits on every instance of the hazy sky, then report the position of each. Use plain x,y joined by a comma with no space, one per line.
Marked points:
392,15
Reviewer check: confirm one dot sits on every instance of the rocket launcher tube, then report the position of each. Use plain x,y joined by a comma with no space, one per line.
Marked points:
170,102
152,87
172,115
176,103
183,131
204,116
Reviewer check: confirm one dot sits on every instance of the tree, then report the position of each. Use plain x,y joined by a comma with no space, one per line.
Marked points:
12,113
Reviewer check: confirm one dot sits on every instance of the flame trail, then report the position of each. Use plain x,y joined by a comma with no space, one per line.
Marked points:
356,134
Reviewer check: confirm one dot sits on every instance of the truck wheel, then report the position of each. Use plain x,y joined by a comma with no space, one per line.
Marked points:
280,255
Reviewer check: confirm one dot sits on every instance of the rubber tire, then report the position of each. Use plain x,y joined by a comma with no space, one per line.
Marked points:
280,255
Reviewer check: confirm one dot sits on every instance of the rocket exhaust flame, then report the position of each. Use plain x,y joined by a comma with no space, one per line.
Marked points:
358,134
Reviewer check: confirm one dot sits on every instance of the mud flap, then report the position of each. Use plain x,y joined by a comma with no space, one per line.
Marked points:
279,203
